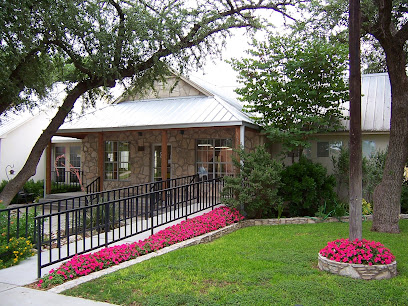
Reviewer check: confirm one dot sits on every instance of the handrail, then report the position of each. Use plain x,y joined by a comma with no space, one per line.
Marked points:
94,186
22,229
113,220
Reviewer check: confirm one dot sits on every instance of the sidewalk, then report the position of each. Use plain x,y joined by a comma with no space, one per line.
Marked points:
12,280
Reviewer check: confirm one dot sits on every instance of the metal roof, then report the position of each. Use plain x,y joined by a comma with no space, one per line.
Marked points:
11,121
218,110
375,103
176,112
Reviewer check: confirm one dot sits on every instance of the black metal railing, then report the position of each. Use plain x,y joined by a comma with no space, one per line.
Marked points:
66,181
77,230
17,220
94,186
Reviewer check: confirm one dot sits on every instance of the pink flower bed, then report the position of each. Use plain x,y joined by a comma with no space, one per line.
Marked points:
357,252
84,264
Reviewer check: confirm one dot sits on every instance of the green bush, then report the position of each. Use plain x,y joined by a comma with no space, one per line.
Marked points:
62,188
14,251
254,190
373,168
372,173
36,189
306,188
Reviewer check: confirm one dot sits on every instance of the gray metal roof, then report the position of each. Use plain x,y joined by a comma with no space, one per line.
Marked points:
218,110
375,103
12,121
177,112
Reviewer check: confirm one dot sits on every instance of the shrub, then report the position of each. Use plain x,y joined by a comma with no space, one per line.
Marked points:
62,188
14,251
31,187
306,187
367,209
254,190
373,168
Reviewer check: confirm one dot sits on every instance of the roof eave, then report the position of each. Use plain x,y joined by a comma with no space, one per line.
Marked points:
158,127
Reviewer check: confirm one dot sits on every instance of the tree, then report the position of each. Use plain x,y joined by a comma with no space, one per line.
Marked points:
386,23
26,66
93,44
295,85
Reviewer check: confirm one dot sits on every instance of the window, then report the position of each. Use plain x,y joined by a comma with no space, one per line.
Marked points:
157,156
368,148
214,157
335,148
327,149
59,164
117,160
323,149
75,162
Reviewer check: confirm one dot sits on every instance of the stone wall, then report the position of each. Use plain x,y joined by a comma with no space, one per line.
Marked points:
358,271
173,88
253,139
183,146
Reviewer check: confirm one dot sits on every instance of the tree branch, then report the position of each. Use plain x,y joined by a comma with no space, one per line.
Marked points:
121,32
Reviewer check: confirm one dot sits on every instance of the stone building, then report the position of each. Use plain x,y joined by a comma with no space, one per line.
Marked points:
180,126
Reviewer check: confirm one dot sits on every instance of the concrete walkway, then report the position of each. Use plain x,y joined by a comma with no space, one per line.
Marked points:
13,279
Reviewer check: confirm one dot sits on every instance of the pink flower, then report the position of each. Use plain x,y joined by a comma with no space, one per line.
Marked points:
362,252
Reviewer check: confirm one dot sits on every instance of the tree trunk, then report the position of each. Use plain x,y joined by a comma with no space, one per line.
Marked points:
387,195
355,180
29,168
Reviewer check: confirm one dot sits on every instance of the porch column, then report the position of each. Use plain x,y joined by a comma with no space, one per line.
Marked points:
164,155
242,135
48,169
101,150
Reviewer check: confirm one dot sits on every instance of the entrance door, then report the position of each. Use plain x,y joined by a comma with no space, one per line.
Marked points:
157,171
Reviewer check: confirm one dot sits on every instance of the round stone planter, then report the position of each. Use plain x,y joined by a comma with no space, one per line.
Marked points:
357,270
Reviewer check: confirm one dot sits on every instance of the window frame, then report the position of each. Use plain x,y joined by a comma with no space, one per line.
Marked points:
213,166
117,163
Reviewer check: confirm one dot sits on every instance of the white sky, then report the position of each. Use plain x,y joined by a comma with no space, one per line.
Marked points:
220,73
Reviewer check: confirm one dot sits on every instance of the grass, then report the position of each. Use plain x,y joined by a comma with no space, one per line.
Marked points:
263,265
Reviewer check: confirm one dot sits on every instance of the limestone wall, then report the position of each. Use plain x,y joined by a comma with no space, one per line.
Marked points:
253,139
173,88
183,146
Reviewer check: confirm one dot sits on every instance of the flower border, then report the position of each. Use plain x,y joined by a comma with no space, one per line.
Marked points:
84,264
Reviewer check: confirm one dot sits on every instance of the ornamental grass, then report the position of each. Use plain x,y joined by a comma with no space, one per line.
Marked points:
358,252
84,264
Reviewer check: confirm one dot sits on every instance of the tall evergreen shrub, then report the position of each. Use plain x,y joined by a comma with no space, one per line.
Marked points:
254,190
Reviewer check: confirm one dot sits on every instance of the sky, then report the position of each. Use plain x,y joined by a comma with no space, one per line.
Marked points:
220,73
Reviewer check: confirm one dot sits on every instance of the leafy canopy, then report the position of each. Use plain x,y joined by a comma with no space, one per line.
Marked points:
294,85
102,42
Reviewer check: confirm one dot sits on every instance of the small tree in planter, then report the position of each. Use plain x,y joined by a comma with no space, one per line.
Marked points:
254,190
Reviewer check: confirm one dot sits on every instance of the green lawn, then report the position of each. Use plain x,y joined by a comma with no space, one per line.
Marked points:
262,265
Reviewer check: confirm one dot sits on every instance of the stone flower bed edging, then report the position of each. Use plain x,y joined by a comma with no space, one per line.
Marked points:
358,271
197,240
